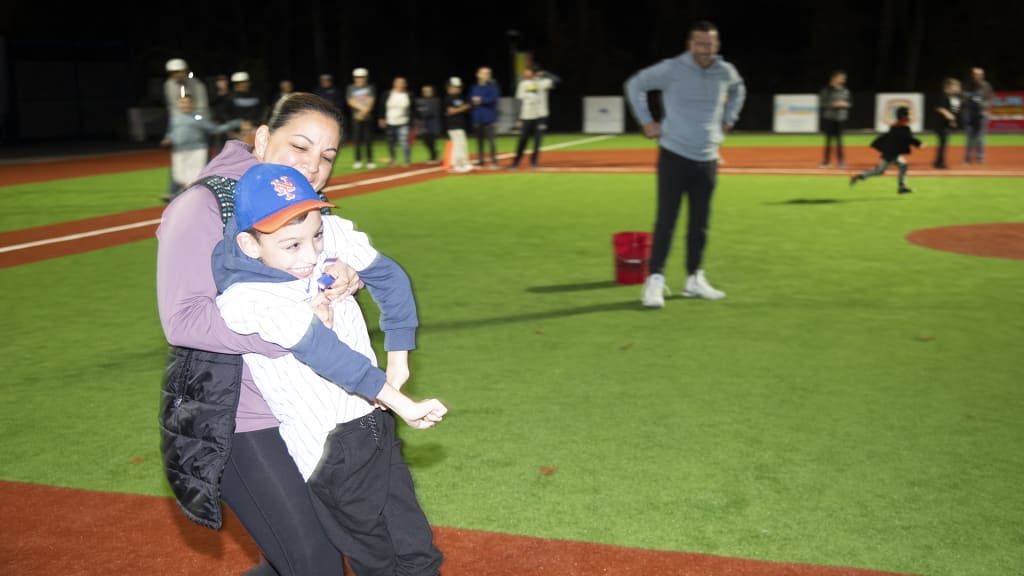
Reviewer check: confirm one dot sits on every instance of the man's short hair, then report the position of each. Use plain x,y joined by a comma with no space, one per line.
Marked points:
702,26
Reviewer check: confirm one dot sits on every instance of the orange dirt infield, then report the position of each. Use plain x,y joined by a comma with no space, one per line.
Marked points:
82,533
997,240
34,244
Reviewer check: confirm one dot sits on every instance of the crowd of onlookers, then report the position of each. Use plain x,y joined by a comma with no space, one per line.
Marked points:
200,120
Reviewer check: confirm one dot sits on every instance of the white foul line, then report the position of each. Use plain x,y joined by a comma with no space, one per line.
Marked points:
411,173
345,186
78,236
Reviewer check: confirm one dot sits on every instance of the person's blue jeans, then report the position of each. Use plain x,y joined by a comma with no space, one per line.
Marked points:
975,146
399,136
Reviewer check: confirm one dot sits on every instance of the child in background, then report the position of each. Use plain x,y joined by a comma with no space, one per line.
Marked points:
893,145
189,137
327,391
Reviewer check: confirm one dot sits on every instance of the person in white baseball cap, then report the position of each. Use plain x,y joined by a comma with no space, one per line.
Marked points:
456,119
180,82
361,97
245,103
176,65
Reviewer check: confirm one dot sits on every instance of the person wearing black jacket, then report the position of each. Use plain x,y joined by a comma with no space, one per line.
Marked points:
893,145
947,112
427,114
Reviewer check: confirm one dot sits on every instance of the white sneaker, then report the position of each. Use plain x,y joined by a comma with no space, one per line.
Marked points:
371,165
654,291
357,165
697,286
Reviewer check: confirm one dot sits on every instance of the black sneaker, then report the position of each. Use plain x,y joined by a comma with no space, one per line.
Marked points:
905,190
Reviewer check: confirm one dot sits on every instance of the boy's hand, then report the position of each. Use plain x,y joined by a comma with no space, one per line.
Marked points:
424,414
346,280
321,306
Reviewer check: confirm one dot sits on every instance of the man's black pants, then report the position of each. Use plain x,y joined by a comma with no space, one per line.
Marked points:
679,176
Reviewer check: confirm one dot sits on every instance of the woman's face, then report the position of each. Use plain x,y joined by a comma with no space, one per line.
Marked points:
308,143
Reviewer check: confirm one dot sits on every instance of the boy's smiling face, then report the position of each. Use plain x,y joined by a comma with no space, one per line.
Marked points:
293,248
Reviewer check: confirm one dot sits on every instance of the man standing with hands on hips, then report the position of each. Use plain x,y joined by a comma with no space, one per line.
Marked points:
701,95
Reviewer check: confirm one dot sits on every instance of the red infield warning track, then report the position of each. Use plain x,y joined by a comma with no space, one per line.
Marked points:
74,532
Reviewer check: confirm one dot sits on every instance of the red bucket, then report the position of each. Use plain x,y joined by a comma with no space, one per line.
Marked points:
632,254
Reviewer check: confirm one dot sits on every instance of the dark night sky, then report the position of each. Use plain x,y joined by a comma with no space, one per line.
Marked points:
594,46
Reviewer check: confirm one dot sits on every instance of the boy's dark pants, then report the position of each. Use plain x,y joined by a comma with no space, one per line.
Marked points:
365,498
678,176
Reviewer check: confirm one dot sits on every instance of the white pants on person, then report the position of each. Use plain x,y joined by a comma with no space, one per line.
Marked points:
186,165
460,151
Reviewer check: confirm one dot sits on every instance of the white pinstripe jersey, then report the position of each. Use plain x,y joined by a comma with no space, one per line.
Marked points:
307,405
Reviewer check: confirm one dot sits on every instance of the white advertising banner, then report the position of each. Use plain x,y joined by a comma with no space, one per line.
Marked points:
795,113
886,104
604,114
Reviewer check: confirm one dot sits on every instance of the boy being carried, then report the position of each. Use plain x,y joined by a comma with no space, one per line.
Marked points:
328,391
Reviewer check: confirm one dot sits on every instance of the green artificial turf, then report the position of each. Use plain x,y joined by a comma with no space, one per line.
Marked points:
854,401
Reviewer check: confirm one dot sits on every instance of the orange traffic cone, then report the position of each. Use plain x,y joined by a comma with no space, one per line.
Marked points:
446,160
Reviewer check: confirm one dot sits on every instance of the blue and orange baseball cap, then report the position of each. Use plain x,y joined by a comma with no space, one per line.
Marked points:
268,196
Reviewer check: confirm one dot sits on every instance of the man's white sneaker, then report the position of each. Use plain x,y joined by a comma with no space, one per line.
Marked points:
654,291
357,165
371,165
697,286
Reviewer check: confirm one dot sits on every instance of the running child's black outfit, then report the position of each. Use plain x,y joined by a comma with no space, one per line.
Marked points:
893,145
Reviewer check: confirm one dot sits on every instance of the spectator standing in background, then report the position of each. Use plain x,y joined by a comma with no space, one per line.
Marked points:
484,96
457,110
181,82
835,103
188,135
532,94
284,88
427,113
246,104
977,102
947,112
361,97
220,108
689,135
328,90
396,120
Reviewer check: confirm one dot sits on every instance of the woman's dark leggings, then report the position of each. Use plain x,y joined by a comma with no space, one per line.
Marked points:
264,488
678,176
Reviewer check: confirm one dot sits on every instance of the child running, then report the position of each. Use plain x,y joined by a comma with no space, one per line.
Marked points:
893,145
327,392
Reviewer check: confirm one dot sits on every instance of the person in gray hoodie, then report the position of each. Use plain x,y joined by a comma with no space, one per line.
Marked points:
701,96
